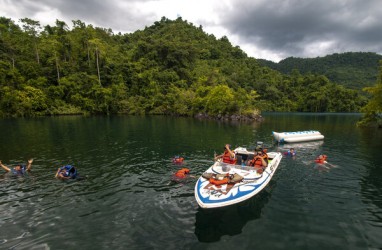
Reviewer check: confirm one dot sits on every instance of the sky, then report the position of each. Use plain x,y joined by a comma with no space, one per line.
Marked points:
266,29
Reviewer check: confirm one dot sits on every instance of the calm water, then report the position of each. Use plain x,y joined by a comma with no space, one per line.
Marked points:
128,201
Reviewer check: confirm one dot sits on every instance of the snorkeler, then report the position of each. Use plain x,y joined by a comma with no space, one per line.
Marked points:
19,169
66,172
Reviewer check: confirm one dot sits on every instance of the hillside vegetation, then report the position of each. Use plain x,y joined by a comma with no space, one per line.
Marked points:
372,112
355,70
171,67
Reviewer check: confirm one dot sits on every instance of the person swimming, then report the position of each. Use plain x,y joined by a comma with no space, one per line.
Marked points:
321,159
66,172
177,160
182,175
19,169
290,152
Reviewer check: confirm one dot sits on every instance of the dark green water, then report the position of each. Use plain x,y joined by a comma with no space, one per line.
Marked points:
127,200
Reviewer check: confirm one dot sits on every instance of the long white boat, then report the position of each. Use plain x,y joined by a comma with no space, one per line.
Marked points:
298,136
243,181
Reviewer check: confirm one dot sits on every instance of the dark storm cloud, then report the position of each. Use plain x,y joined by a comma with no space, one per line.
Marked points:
273,29
119,15
306,28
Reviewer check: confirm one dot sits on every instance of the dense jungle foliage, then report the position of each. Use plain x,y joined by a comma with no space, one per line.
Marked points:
373,110
171,67
354,70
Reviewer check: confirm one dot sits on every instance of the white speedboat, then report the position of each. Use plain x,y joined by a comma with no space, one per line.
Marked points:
298,136
225,184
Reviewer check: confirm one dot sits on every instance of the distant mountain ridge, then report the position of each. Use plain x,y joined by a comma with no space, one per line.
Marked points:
354,70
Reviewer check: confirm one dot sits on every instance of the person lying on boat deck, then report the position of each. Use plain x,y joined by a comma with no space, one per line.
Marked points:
260,159
18,169
228,156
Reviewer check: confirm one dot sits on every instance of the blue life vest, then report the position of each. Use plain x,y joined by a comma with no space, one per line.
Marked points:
22,171
69,171
292,154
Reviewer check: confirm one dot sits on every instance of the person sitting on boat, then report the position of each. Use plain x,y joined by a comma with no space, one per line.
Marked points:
290,152
66,172
260,160
19,169
228,156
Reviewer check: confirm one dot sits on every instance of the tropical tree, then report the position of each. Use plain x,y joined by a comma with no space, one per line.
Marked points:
373,109
32,28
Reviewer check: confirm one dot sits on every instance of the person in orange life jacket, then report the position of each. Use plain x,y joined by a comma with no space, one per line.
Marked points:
260,159
321,159
18,169
182,173
228,156
177,160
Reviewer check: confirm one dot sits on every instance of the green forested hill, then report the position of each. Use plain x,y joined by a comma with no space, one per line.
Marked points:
355,70
170,67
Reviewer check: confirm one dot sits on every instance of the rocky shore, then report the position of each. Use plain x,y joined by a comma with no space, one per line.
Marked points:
231,117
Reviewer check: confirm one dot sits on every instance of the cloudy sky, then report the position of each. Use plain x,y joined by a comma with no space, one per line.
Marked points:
268,29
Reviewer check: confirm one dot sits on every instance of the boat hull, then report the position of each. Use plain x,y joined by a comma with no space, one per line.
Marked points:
213,196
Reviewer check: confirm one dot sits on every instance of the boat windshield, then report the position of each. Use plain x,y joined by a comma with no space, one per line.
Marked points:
226,166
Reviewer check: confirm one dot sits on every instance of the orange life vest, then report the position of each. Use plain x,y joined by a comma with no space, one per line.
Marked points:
228,159
219,182
322,160
257,162
214,181
182,173
178,160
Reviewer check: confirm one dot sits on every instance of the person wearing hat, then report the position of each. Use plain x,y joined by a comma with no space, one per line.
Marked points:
19,169
228,156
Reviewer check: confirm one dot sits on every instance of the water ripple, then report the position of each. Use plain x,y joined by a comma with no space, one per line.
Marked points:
128,200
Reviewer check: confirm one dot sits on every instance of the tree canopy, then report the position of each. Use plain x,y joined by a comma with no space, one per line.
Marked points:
170,67
373,110
355,70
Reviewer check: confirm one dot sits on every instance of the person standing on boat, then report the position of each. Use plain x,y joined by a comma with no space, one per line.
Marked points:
19,169
260,160
228,156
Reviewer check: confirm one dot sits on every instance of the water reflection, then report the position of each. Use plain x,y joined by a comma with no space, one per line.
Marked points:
129,202
301,146
371,185
212,224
